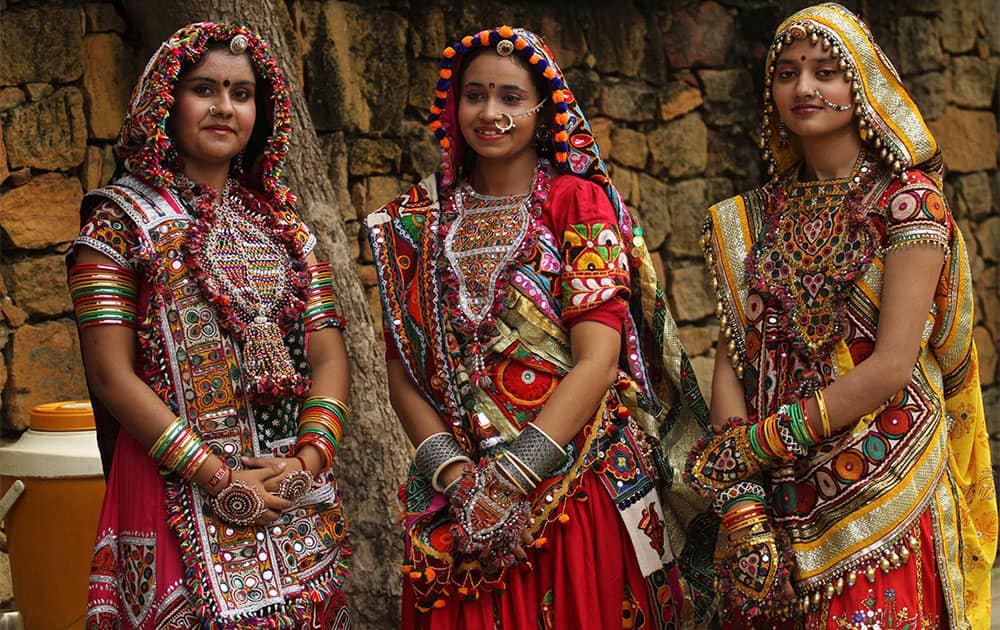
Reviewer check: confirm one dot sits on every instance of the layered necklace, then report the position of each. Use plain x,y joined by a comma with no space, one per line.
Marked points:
815,240
247,261
482,240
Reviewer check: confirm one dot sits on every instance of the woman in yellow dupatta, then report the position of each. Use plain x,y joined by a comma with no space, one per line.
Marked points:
848,458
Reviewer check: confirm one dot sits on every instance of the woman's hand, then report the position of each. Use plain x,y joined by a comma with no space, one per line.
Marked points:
246,501
286,478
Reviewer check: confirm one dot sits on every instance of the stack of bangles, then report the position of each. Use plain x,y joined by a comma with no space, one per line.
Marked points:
181,450
783,436
103,294
321,309
531,456
321,424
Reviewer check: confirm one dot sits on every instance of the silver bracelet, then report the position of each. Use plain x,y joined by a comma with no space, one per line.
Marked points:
435,453
536,452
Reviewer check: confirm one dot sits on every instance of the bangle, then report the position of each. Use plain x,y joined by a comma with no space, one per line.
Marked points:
535,452
824,415
321,308
103,294
218,476
435,453
179,449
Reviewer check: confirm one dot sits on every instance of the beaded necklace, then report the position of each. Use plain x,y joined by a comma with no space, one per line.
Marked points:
815,241
249,264
480,242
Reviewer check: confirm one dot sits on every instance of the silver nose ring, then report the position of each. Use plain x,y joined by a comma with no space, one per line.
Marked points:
213,111
504,128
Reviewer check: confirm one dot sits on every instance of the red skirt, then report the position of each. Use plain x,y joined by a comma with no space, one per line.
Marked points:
586,578
909,596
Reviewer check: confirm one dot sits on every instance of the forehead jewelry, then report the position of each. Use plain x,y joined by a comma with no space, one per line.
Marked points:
238,44
831,104
510,124
505,47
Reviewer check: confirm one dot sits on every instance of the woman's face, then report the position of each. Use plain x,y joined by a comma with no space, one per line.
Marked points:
801,70
494,87
225,81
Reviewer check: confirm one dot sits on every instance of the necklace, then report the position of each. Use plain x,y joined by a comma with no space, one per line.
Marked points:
481,243
246,260
815,241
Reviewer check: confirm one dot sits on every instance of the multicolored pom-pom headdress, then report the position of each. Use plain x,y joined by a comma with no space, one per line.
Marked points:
573,145
144,144
888,119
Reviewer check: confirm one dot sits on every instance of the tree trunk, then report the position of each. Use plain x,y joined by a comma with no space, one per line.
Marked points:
373,458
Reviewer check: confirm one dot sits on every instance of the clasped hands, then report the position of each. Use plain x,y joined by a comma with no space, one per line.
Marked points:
258,494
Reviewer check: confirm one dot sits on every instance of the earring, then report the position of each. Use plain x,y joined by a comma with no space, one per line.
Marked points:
543,133
782,134
237,167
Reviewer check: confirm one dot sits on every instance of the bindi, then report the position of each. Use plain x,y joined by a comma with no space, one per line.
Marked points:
492,85
802,58
226,82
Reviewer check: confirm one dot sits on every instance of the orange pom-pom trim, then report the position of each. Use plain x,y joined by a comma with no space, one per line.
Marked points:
520,44
505,31
429,574
535,58
436,110
561,136
467,41
463,591
549,72
446,143
440,603
541,542
484,38
449,52
557,96
562,118
435,125
563,518
561,156
440,94
445,73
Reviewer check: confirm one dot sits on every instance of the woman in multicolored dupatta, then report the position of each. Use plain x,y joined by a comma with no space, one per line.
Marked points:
849,451
534,366
209,334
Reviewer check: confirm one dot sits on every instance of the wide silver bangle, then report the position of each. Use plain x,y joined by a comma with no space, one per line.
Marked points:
536,452
435,453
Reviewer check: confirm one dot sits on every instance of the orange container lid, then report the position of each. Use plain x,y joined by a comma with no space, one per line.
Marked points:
70,415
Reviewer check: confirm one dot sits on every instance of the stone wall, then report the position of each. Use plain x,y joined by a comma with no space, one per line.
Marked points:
672,90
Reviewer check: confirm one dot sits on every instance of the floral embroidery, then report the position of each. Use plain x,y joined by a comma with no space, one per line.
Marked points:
596,267
653,526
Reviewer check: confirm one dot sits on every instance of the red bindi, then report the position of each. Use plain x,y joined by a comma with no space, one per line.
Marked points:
802,58
492,85
226,82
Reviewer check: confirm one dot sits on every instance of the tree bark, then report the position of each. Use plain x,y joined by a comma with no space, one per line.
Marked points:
373,459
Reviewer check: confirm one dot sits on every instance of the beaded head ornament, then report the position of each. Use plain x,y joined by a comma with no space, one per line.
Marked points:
887,118
144,143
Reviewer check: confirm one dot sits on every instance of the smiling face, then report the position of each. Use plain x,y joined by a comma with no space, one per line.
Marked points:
204,140
493,88
801,70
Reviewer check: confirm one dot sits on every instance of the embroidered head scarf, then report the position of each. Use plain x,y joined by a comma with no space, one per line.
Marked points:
144,143
888,119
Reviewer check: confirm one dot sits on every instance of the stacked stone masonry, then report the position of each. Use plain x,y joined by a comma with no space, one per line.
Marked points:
673,90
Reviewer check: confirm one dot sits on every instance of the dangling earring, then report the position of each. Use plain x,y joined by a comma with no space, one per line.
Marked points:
782,134
237,167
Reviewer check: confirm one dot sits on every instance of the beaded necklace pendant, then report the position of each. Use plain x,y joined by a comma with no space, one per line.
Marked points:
481,244
247,269
815,241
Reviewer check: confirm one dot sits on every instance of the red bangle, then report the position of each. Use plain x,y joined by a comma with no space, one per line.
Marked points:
303,462
217,477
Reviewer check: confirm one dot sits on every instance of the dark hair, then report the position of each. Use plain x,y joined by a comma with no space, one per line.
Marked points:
541,86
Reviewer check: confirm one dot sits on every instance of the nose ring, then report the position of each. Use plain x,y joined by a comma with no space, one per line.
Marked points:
213,111
504,128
